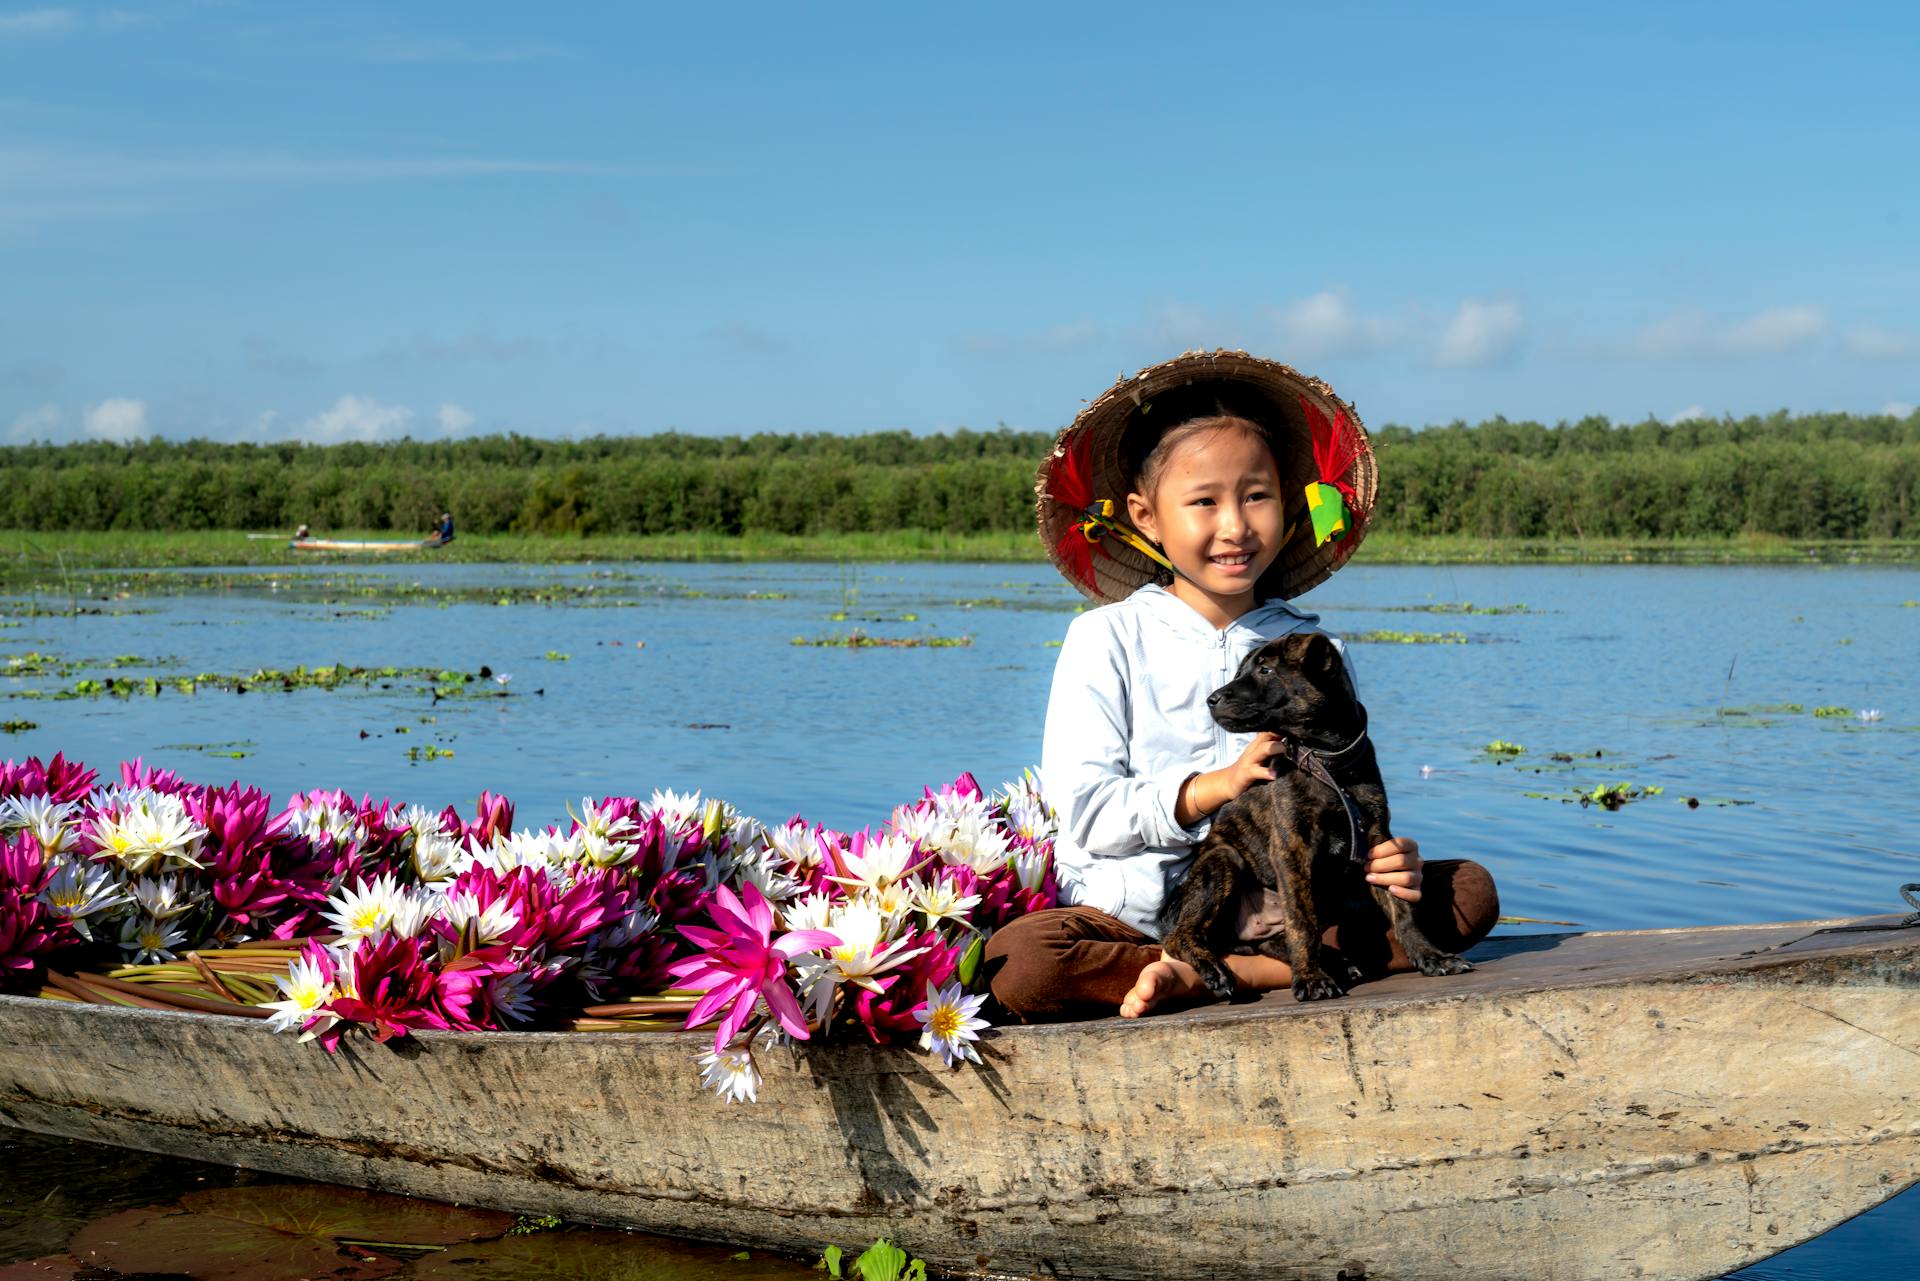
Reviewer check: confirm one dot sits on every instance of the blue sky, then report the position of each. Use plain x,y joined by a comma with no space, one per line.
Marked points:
356,221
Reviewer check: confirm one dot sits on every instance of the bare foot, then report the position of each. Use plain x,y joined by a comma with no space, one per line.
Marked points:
1163,982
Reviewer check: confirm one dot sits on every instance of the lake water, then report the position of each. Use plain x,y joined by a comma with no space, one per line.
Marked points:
1784,701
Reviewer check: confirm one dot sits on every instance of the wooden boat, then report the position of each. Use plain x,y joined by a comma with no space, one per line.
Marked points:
361,545
1663,1104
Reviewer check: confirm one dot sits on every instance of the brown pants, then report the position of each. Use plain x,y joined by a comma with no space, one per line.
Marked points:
1079,963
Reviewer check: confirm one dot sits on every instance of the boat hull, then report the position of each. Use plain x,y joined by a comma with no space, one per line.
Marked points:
1596,1106
348,545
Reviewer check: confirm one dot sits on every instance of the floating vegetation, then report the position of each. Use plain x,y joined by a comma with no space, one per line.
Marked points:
234,750
1694,802
1833,711
1763,709
1910,604
858,639
439,681
555,656
1502,748
1608,796
429,752
1531,920
1388,637
882,1261
1447,607
1000,602
17,727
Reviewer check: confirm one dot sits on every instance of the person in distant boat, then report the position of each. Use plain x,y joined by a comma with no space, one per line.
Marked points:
303,532
1176,502
443,533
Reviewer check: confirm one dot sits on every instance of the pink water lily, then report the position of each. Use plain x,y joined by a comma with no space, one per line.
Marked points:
740,964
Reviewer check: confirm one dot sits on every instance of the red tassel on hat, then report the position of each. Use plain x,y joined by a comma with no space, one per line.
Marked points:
1335,448
1068,485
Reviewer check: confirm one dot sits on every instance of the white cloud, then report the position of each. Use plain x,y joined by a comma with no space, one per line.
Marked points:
35,424
1873,343
1689,414
1897,409
1327,324
36,22
1691,334
356,418
453,419
1481,332
117,419
1776,330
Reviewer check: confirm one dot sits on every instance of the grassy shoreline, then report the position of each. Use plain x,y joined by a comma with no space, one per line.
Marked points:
38,554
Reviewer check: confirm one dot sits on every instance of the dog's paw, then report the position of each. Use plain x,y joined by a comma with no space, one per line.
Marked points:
1435,964
1219,980
1316,987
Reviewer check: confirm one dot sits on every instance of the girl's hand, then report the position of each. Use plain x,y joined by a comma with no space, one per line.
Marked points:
1395,866
1254,766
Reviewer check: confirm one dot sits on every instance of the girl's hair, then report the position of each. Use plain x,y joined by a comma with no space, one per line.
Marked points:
1145,474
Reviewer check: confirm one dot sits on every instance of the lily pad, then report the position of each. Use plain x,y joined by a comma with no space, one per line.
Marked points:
286,1230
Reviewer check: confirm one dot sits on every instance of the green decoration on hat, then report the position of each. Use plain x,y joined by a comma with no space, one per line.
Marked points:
1328,508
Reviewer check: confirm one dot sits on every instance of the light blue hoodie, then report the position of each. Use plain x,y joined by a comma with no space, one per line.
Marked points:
1127,725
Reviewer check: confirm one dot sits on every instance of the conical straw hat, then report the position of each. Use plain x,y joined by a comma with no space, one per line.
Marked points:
1098,456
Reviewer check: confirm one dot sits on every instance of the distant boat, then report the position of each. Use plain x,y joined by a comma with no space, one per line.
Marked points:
1582,1107
351,545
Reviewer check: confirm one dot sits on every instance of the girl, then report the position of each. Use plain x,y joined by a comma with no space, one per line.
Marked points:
1244,483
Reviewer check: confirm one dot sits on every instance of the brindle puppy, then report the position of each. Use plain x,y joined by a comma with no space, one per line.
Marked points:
1292,839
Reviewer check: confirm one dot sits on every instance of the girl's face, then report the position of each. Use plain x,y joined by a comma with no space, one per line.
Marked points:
1216,511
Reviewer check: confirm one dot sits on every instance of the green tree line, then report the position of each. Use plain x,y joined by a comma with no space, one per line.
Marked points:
1805,476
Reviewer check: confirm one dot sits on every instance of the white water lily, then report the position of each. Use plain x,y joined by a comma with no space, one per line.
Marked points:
320,820
809,913
598,850
490,925
150,829
1027,811
797,843
879,863
435,855
1868,715
937,900
675,808
164,897
511,996
917,822
762,869
732,1075
147,941
50,822
951,1023
896,900
979,842
865,952
546,851
307,989
77,891
365,910
1031,867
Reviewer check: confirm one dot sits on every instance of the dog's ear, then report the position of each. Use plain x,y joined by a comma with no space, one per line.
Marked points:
1314,654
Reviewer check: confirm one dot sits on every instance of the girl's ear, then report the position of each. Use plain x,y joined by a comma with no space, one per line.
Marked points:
1140,512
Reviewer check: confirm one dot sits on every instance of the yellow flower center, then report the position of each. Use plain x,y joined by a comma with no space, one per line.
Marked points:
945,1022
